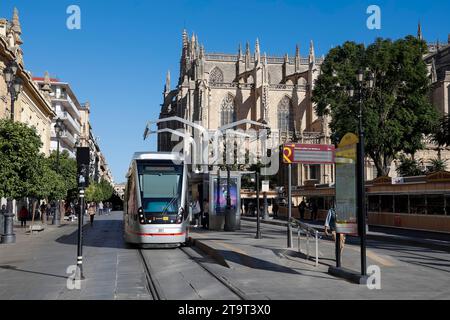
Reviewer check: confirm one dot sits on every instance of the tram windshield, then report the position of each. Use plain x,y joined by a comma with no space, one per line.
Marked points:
160,188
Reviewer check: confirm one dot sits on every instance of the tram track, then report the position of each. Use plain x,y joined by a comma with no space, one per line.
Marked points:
241,295
152,284
155,288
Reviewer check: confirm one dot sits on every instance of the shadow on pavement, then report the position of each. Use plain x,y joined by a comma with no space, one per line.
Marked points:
8,267
106,233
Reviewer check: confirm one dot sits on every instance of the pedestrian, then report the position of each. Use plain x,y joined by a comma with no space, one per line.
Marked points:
302,209
314,210
275,209
43,212
330,224
196,210
91,213
100,208
23,216
109,207
205,220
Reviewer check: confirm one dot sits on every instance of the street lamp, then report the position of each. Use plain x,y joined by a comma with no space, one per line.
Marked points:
13,82
361,192
59,127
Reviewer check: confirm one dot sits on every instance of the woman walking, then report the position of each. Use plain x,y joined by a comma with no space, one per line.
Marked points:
91,212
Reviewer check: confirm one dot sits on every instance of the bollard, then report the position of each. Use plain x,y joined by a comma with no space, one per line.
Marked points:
299,235
9,237
317,249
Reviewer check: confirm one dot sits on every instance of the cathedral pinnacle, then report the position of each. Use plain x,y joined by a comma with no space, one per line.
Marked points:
47,84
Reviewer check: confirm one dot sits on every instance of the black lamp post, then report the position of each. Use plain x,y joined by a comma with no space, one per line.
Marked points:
14,83
361,192
59,127
368,84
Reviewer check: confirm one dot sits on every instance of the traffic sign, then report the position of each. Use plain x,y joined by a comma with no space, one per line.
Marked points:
308,153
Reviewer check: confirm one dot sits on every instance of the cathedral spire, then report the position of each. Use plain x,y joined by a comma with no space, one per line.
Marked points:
192,49
419,31
167,86
240,52
247,56
185,39
312,55
257,53
297,58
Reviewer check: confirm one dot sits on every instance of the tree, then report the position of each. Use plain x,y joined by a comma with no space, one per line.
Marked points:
67,169
396,112
99,191
409,167
438,165
441,135
19,149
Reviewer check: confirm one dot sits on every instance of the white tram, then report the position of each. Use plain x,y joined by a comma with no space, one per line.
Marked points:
155,211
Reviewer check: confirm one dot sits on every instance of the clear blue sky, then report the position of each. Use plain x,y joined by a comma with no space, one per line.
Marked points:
119,58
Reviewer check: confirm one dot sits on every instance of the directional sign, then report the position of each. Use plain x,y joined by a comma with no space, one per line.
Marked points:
308,153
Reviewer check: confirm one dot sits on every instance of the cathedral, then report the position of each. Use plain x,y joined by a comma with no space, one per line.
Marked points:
215,89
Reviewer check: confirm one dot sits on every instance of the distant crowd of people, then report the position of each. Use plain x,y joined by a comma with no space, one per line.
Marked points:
70,210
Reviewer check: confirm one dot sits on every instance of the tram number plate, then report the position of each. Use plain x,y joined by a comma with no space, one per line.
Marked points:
165,218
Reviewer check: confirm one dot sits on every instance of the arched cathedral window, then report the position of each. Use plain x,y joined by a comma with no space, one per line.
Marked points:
285,115
216,76
227,110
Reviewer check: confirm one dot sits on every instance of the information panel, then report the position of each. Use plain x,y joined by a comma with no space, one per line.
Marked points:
308,153
346,209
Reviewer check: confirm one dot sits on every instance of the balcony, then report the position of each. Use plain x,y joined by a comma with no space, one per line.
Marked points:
69,121
68,103
68,138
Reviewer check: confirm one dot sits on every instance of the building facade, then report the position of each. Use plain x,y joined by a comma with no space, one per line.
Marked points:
32,106
67,108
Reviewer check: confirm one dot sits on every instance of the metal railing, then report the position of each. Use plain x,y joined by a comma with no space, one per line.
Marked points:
310,233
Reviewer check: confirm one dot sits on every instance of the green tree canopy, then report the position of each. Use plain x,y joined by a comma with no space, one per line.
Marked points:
99,191
19,150
396,112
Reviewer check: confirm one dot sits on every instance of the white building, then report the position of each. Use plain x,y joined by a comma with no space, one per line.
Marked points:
67,108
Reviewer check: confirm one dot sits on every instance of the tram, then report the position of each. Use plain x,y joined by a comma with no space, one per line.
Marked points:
155,210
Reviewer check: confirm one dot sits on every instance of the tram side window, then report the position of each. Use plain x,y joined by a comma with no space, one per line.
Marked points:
435,204
374,203
387,203
417,204
401,203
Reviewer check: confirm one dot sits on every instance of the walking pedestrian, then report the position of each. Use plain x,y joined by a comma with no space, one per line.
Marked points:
91,213
23,216
100,208
43,209
330,224
302,209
